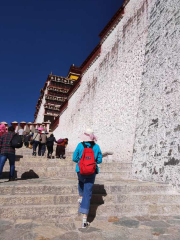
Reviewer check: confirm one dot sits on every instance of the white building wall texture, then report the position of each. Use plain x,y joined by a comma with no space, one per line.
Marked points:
40,115
157,142
108,97
130,96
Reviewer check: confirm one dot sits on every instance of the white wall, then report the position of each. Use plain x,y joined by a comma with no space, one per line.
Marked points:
131,95
40,115
157,144
108,97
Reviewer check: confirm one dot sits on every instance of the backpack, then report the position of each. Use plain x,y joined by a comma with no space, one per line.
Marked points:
87,163
16,141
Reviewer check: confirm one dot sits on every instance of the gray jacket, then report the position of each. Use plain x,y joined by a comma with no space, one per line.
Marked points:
43,138
36,137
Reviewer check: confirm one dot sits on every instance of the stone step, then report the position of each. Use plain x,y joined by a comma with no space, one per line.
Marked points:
20,158
105,210
25,173
119,210
69,165
50,199
147,198
68,187
102,175
61,167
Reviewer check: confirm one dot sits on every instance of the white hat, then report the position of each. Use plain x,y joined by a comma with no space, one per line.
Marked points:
43,132
88,135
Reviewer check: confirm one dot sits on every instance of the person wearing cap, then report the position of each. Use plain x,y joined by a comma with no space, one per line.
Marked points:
86,182
42,144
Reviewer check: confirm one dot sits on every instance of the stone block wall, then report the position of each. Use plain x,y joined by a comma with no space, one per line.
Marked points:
157,140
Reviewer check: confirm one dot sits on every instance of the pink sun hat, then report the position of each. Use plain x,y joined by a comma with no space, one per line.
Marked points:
41,128
88,135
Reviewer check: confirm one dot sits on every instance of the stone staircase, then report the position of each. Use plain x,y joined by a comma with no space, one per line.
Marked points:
60,168
48,189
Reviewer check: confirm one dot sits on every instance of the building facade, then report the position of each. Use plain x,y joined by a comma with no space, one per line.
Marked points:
129,91
55,95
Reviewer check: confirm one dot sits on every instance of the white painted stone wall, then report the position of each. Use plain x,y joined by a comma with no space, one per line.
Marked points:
108,97
157,143
40,115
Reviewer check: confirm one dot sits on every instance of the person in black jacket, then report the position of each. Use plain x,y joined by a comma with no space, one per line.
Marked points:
50,143
26,140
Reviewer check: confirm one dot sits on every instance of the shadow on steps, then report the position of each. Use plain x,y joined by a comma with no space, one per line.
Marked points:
18,158
97,199
26,175
29,175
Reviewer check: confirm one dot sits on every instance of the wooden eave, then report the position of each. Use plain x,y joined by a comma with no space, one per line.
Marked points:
74,71
91,57
112,22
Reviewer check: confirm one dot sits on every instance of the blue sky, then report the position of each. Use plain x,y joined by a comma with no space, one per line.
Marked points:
40,36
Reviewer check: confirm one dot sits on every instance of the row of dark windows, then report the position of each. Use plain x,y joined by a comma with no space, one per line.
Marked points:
54,102
57,94
58,84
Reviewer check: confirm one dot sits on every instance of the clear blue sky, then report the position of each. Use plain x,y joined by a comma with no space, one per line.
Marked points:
38,36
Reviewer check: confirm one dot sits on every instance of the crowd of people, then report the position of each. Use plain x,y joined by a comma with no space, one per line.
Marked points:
39,141
87,155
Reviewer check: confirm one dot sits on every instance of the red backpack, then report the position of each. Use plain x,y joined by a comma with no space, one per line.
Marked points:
87,163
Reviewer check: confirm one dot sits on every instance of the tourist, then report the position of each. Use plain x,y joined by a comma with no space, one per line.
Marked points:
50,144
35,141
60,149
7,152
26,140
29,139
21,132
42,144
86,181
31,133
3,129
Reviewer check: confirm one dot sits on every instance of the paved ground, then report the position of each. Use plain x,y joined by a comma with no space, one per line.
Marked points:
136,228
68,228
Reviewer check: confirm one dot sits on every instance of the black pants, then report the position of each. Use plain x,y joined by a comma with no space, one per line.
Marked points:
50,150
42,149
26,144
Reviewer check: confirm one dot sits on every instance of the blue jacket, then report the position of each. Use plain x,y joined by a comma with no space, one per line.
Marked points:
79,151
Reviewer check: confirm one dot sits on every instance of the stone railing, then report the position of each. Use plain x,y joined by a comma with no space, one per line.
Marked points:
30,126
62,80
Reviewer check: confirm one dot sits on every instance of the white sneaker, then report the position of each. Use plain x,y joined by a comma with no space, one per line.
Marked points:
85,225
80,200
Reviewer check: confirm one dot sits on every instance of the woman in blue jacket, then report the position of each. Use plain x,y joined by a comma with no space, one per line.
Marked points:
86,182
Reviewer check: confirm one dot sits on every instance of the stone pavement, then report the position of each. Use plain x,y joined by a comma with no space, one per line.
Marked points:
68,226
42,204
136,228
